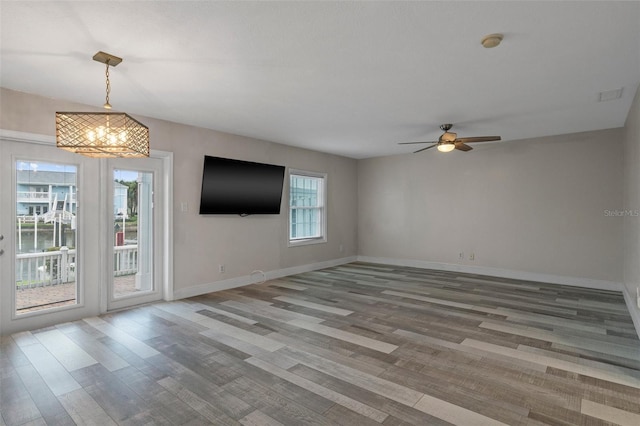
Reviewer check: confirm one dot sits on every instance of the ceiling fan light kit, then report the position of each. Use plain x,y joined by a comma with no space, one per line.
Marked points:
446,146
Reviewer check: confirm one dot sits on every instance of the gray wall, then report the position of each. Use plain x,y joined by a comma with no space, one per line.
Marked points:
201,243
530,205
631,204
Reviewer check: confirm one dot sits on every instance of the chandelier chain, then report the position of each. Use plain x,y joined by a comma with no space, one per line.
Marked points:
108,85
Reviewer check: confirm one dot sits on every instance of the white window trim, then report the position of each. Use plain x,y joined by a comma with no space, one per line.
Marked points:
307,241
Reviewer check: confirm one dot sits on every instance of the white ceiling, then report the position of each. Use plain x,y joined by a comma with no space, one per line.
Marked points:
350,78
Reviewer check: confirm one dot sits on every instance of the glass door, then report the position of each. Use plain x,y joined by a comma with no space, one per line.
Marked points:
133,269
41,270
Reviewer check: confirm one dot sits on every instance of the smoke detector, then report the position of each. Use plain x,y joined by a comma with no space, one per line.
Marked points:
491,40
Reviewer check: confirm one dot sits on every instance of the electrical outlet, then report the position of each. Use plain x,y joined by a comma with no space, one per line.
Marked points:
341,248
472,256
221,269
461,256
184,207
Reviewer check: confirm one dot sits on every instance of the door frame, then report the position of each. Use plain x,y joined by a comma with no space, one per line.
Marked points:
90,301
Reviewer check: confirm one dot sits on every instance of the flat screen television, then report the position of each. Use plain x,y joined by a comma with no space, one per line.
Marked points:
240,187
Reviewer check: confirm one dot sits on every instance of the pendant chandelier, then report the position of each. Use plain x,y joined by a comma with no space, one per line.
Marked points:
102,134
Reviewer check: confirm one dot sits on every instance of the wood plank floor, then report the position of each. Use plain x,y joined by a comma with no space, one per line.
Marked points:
357,344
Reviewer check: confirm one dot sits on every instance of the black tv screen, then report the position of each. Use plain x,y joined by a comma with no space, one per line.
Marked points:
240,187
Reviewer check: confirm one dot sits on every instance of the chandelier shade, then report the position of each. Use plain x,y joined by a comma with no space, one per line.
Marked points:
102,134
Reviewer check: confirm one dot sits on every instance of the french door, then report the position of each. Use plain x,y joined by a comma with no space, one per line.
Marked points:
46,199
78,236
135,249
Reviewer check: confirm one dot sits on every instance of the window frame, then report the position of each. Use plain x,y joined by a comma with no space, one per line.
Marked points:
322,238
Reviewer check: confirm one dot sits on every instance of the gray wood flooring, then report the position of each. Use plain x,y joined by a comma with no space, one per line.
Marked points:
358,344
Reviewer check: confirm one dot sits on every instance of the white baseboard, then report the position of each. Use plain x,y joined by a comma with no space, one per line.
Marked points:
634,311
499,272
256,277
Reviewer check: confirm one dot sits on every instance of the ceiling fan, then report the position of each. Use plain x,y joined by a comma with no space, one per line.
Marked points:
449,141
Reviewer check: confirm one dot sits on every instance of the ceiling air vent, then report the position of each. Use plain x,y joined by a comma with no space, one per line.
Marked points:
610,95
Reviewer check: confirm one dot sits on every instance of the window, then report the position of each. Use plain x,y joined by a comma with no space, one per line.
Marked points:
45,250
307,208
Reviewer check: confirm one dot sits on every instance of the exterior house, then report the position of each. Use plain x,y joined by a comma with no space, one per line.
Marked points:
38,192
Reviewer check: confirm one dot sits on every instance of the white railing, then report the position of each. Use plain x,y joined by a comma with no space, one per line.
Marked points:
46,268
125,260
59,267
54,215
27,218
39,197
28,196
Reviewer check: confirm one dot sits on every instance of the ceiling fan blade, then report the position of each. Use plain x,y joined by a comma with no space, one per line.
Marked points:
463,147
411,143
479,139
423,149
